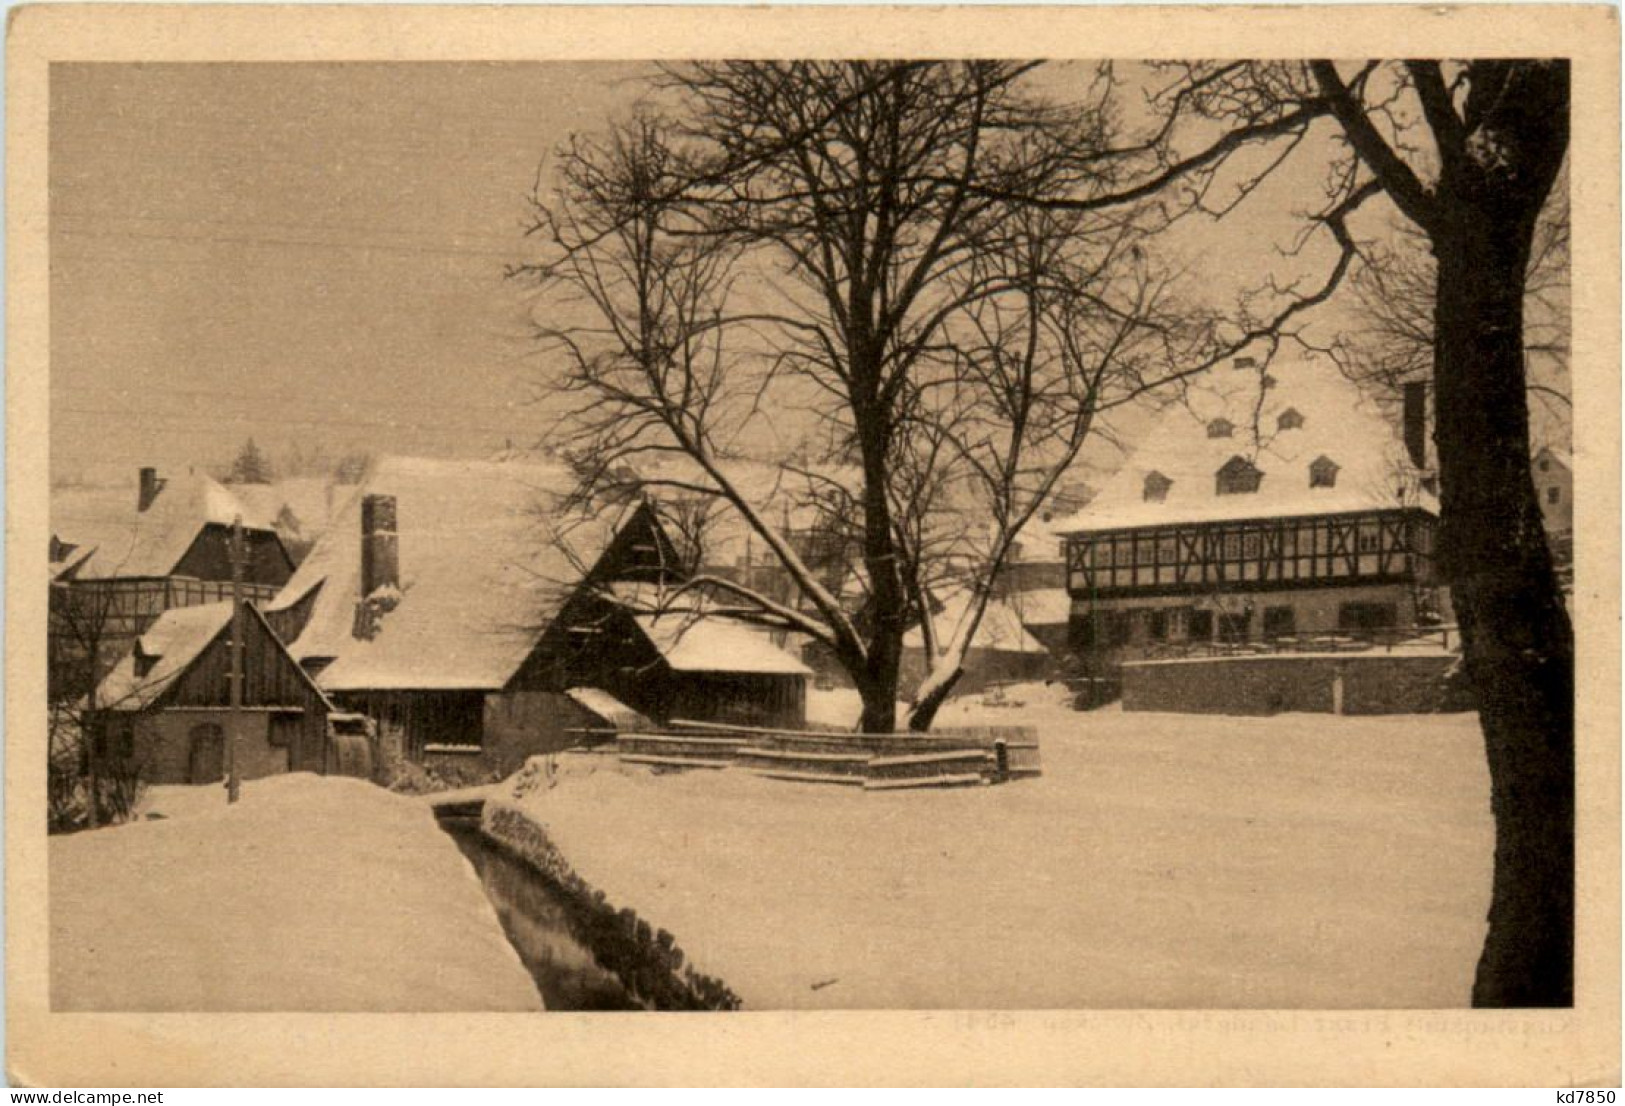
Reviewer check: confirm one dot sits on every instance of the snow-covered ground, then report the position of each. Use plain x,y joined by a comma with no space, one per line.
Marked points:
310,894
1161,860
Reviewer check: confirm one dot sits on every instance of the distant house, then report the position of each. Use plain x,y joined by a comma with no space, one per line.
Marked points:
120,557
1249,514
1554,486
297,507
166,703
1003,651
449,601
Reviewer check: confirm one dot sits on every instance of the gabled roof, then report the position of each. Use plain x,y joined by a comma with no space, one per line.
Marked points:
487,557
298,506
169,646
1561,456
708,643
112,538
1001,629
173,642
1339,422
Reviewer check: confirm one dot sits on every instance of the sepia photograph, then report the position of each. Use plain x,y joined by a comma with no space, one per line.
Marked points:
880,529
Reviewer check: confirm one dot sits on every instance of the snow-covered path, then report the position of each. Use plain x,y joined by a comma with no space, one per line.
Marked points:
1161,860
311,894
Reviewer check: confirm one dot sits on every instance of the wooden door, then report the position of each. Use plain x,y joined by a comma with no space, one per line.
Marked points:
206,758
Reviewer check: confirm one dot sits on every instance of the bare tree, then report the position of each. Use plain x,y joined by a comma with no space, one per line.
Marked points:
835,239
85,639
1468,153
1393,341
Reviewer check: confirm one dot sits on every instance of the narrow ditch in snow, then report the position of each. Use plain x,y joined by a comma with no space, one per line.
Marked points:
540,924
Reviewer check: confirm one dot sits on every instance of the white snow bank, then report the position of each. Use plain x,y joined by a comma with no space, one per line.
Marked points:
1160,861
310,894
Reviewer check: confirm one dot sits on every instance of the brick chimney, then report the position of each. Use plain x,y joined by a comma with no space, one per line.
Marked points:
151,485
1416,421
380,564
380,546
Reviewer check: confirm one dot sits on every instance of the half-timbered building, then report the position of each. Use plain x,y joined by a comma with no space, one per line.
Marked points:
120,558
1266,506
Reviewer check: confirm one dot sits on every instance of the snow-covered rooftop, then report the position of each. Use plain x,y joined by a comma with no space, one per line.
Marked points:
607,707
111,537
487,555
1332,419
708,643
1000,630
169,645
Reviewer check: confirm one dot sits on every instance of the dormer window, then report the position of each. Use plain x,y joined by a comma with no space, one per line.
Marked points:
1156,487
1323,472
1238,477
1291,419
1220,428
143,661
1245,362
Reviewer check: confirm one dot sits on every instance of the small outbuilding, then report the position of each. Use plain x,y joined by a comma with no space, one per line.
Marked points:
166,705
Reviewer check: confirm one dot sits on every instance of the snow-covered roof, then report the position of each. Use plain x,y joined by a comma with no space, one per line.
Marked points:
606,707
1000,630
111,537
708,643
1042,606
170,644
1561,456
1338,422
299,506
486,558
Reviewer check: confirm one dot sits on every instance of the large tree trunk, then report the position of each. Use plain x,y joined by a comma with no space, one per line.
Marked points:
924,711
1517,638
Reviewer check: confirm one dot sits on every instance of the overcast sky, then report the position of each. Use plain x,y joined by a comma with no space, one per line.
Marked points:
303,253
313,254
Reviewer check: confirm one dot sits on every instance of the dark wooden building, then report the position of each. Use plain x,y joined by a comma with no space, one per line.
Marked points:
166,705
441,599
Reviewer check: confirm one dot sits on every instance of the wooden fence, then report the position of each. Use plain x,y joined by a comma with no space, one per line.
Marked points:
946,758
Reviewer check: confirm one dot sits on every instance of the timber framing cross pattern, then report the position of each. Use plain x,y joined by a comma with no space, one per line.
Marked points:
1328,550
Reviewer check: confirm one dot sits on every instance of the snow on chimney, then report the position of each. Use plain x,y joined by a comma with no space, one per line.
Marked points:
151,485
1416,421
380,564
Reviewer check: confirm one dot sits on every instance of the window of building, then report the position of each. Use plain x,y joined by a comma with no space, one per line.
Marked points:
1545,465
1251,543
1245,362
1156,487
1280,621
1554,494
1117,627
1232,627
1367,616
1290,419
1368,538
1220,428
1323,472
1157,625
1201,625
1081,633
1168,549
1237,477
